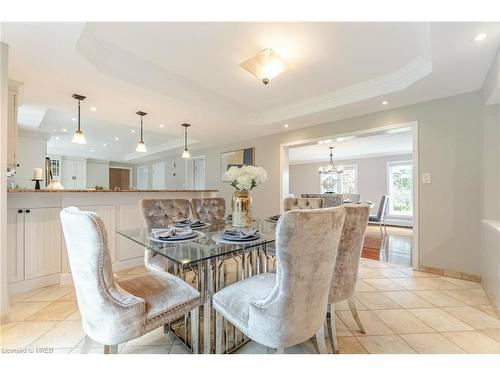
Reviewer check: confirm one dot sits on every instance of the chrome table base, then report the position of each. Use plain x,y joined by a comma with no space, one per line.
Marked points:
211,276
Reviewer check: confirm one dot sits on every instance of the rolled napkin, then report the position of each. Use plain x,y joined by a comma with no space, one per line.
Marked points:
241,233
169,232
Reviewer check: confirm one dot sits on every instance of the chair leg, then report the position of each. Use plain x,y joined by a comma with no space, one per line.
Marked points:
195,341
218,333
320,340
110,349
380,227
87,344
385,228
332,333
280,350
354,312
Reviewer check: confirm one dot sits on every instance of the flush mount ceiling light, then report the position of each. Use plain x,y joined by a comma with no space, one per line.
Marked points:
265,65
385,102
481,36
185,153
93,109
141,147
78,137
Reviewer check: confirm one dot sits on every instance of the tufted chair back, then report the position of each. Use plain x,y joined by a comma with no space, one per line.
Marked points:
349,252
296,308
110,315
159,213
302,203
210,210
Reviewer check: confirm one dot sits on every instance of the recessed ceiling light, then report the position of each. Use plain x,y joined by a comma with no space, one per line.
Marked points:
132,131
320,142
342,139
399,130
286,125
73,119
93,109
104,144
327,141
92,150
117,139
161,125
481,36
64,130
57,138
385,102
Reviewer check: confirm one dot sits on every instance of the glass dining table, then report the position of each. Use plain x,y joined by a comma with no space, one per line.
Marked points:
205,258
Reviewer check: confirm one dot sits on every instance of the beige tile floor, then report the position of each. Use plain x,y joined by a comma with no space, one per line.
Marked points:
403,311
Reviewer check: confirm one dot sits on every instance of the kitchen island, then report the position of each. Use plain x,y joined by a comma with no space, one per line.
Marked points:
36,249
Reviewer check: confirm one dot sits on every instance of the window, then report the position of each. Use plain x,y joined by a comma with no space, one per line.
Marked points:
142,177
400,181
344,183
55,167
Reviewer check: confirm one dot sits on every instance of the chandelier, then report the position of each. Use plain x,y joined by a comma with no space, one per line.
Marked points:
331,168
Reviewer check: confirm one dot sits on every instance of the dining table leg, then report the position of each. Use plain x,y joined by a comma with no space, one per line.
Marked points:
207,306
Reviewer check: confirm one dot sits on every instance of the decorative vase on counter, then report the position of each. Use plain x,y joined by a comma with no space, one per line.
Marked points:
242,211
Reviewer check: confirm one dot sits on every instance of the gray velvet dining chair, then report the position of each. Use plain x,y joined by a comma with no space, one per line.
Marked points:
160,213
115,312
288,307
380,218
210,210
345,274
302,203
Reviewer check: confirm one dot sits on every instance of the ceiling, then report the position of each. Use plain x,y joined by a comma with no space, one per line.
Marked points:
355,147
189,72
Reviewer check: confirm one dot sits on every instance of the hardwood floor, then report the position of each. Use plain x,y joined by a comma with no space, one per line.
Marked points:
395,248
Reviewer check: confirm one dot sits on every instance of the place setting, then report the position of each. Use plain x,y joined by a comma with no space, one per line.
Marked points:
175,235
192,223
238,236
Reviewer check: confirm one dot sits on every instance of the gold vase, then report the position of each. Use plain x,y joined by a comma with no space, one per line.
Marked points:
241,205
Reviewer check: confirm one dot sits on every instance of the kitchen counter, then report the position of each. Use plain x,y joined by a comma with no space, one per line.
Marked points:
109,191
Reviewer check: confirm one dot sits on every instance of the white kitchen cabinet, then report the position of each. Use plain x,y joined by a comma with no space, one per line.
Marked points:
15,245
74,173
42,242
13,104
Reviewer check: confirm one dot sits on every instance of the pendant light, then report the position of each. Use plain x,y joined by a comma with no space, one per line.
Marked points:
185,153
141,147
78,137
331,168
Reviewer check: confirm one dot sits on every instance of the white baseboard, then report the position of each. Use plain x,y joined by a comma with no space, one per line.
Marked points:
27,285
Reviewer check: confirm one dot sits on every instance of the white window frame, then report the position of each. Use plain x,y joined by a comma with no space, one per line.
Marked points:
348,166
143,167
388,188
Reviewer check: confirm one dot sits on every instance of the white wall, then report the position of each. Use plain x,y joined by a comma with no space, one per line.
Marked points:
4,88
372,177
31,152
491,144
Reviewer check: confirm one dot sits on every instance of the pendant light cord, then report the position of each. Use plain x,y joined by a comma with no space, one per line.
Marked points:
141,129
79,115
185,138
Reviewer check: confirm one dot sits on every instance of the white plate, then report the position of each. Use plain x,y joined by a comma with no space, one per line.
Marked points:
199,235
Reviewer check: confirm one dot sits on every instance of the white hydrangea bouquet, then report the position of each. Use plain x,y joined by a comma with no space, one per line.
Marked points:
245,178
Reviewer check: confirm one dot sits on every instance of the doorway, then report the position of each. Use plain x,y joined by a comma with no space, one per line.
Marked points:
195,173
119,178
159,176
372,163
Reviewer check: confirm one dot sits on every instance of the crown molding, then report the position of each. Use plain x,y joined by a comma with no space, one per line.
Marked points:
416,69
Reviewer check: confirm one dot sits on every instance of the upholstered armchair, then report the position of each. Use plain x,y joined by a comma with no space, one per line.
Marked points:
345,274
160,213
288,307
112,312
302,203
210,210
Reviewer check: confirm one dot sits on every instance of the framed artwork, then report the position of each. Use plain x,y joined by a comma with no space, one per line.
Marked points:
237,158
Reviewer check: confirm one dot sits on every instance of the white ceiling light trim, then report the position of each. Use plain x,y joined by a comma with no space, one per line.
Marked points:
412,72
